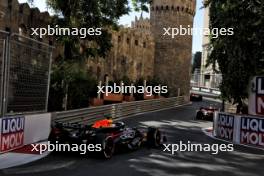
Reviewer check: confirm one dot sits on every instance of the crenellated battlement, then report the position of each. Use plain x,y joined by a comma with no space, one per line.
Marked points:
19,17
180,6
142,24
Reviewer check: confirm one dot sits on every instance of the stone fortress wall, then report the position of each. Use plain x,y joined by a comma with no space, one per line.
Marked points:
172,55
138,51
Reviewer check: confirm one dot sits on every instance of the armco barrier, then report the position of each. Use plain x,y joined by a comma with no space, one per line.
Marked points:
89,115
240,129
210,92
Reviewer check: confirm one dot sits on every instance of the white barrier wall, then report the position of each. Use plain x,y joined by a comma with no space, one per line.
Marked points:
240,129
20,130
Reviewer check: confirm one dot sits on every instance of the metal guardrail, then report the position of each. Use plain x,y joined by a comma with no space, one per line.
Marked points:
90,115
210,92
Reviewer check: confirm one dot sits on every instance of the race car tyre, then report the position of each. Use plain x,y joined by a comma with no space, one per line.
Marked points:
153,137
108,145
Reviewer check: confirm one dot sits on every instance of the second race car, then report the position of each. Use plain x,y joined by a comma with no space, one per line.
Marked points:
206,113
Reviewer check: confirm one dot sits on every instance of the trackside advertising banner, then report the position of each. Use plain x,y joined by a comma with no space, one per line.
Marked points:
256,96
17,131
252,131
12,133
225,126
240,129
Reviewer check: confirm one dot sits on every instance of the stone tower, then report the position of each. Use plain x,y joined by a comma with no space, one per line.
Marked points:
172,60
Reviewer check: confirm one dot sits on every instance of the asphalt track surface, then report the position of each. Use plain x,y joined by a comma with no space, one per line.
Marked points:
178,124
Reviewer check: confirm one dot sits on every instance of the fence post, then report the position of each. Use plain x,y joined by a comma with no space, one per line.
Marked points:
5,74
47,97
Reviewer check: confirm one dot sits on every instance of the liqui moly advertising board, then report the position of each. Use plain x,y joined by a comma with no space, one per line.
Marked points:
11,133
252,131
225,126
256,96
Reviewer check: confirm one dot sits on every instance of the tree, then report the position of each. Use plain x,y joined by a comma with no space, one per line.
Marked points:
239,56
197,61
69,69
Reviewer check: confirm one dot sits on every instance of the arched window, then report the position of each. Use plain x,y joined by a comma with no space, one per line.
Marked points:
136,42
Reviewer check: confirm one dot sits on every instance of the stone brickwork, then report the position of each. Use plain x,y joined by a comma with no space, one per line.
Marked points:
132,54
172,55
19,18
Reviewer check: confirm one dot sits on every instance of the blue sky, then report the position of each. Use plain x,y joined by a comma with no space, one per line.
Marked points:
126,20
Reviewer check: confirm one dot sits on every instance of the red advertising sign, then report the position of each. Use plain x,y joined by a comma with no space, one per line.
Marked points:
260,96
252,131
12,133
225,126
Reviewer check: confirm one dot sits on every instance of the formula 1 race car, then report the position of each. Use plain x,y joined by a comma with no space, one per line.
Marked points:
196,97
206,113
113,138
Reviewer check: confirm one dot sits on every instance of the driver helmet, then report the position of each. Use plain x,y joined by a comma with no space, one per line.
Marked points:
108,116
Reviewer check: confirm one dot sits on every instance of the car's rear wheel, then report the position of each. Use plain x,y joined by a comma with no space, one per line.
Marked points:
199,115
108,145
153,137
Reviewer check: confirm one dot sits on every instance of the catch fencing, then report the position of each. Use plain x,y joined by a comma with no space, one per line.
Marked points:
25,68
90,115
212,81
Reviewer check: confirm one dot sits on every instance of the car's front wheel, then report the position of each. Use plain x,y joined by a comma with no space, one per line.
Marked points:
153,137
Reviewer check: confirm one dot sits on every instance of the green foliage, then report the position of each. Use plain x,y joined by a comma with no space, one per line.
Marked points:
141,5
69,73
71,79
240,56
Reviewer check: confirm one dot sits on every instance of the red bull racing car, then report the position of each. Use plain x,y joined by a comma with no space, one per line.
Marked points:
112,138
206,113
